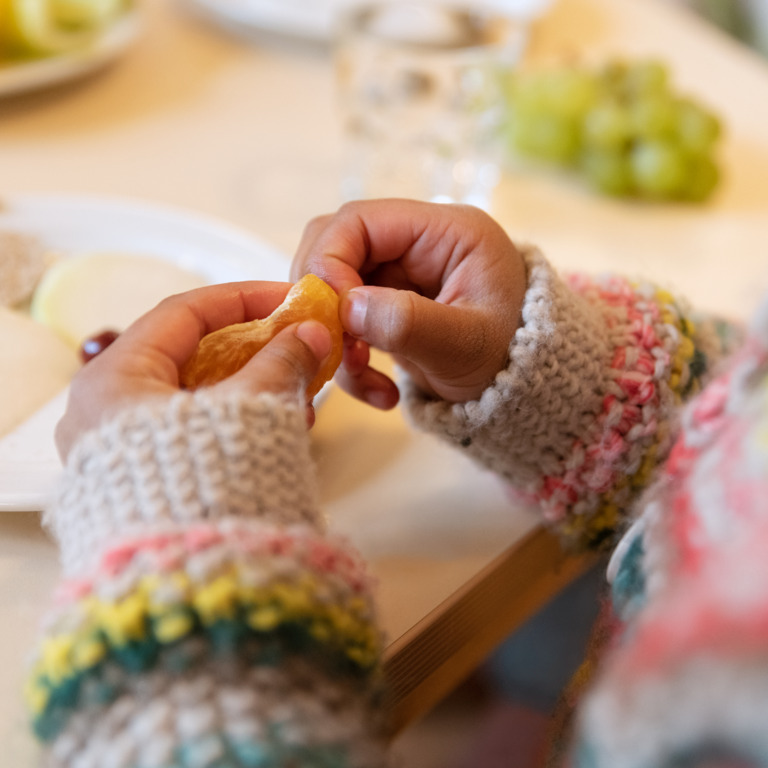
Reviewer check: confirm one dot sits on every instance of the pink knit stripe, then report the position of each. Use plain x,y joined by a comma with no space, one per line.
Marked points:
701,500
705,616
640,363
168,551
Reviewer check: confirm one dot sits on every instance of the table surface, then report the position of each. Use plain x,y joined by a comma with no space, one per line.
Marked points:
244,130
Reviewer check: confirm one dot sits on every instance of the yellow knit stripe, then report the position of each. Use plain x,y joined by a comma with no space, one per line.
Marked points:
169,607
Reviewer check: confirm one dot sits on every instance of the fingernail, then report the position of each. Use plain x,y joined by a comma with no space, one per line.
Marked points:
316,336
354,310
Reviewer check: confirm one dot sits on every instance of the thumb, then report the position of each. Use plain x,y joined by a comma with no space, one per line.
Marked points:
422,331
288,363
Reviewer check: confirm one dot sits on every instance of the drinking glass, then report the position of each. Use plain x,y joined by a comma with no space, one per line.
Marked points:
420,87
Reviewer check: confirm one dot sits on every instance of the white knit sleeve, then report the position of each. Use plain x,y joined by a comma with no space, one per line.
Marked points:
585,408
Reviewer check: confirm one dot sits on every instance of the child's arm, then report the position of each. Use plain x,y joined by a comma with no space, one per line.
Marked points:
204,617
686,680
586,407
568,389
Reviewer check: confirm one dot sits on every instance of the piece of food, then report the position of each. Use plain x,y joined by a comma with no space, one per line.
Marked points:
95,345
35,365
80,296
624,128
22,263
39,28
226,351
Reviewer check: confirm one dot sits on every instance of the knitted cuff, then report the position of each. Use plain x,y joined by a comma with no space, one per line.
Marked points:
195,457
582,413
523,426
243,639
292,715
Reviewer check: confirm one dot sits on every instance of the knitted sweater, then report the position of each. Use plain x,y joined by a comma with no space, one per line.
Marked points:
206,619
589,421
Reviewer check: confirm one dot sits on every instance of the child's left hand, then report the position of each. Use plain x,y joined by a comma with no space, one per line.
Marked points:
144,362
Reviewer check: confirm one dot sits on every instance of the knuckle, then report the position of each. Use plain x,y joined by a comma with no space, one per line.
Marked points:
350,208
398,320
294,360
316,224
170,301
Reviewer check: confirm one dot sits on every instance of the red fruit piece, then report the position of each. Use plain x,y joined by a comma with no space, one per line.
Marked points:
94,345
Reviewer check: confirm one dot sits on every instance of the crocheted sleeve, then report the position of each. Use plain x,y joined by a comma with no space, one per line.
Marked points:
685,681
204,617
584,410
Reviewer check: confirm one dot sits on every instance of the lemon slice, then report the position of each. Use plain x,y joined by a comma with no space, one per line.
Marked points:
81,296
50,27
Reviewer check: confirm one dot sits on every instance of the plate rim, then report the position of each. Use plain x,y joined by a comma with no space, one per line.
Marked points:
22,499
29,76
259,16
185,215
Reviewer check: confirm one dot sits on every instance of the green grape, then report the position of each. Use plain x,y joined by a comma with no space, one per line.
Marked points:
546,136
527,92
659,169
622,127
653,117
612,76
703,177
571,92
607,125
567,93
630,80
608,171
697,129
646,79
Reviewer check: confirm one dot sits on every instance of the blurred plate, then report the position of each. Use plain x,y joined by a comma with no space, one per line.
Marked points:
314,19
29,464
16,78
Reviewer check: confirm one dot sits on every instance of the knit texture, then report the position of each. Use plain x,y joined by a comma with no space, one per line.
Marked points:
584,411
225,716
688,677
198,457
205,620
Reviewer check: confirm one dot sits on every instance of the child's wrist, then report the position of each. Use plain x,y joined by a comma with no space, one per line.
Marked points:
191,458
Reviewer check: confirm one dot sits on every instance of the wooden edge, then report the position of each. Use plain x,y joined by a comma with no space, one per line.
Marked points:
422,666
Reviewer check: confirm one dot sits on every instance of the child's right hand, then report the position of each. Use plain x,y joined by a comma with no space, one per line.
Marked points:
440,287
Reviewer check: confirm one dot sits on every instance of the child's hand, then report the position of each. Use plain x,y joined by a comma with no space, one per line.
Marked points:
144,361
438,286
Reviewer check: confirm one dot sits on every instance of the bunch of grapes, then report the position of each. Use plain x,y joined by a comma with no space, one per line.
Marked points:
623,127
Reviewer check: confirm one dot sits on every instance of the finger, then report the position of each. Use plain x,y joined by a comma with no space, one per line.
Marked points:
369,386
435,336
310,413
426,237
174,328
312,232
288,363
357,378
357,355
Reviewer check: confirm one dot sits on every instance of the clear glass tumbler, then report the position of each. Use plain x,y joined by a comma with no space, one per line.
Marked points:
420,97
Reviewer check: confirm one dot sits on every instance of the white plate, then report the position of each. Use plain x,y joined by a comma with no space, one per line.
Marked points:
314,19
29,464
43,73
